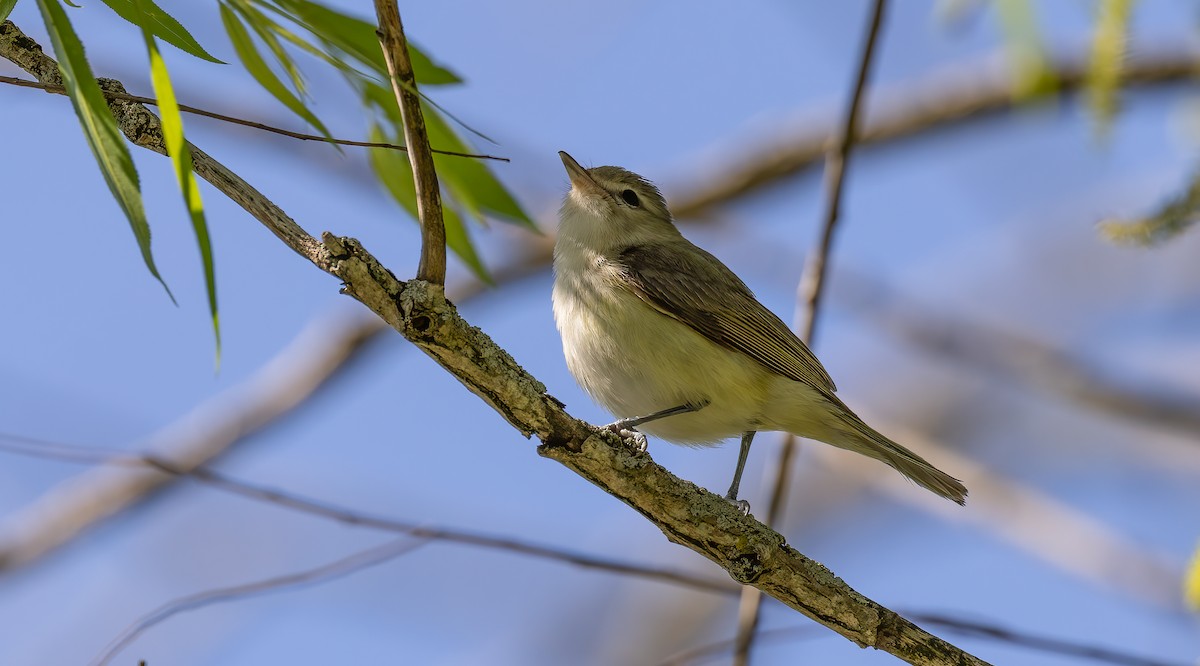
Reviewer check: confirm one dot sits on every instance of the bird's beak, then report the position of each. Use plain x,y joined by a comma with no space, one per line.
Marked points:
580,179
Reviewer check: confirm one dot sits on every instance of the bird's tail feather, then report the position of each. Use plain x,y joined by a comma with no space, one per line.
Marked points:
862,438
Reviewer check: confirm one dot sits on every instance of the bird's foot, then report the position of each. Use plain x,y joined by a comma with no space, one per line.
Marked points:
627,433
742,505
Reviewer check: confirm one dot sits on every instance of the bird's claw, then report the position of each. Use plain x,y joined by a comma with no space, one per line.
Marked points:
742,505
639,444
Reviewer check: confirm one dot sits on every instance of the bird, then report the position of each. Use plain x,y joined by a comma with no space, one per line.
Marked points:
670,341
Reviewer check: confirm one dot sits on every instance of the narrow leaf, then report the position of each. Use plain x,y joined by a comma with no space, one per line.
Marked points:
394,171
99,127
161,25
263,27
357,38
1107,60
181,159
469,182
248,53
1191,582
6,7
1031,71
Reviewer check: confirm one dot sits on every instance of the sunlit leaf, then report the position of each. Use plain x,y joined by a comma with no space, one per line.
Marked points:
248,53
1191,582
6,7
1107,60
357,38
181,159
99,127
394,171
1031,71
1170,220
161,25
263,26
469,182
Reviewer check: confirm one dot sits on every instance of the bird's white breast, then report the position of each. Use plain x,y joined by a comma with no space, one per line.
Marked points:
635,361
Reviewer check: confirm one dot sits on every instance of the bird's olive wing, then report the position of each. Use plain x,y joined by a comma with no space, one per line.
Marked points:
696,289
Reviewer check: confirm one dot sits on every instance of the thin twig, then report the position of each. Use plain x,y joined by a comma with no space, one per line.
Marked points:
1018,357
29,446
322,574
59,90
199,437
812,286
1034,642
432,267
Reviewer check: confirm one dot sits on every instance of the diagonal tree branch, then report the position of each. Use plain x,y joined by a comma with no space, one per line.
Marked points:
749,551
432,268
936,102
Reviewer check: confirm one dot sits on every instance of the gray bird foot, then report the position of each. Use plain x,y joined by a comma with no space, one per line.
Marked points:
742,505
627,433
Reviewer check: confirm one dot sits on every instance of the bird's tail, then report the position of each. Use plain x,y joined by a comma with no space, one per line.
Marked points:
862,438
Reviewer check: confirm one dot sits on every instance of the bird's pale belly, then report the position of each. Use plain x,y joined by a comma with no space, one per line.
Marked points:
635,361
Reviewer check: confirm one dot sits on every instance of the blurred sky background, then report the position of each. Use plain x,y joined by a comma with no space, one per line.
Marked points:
992,222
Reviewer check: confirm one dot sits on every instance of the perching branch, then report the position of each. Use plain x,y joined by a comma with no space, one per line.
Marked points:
432,268
59,90
811,288
750,552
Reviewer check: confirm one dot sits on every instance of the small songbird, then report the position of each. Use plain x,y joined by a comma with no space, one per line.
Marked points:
673,343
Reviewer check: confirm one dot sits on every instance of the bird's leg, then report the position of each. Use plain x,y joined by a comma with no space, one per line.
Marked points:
626,427
744,453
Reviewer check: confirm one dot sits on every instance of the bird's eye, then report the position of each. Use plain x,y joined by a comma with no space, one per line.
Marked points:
630,197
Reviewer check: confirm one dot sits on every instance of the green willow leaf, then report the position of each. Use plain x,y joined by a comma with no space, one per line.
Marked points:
357,38
394,171
248,53
6,7
469,182
161,25
99,127
1191,582
181,159
263,26
1032,75
1107,59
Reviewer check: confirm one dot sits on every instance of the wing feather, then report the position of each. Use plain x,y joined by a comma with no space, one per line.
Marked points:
722,308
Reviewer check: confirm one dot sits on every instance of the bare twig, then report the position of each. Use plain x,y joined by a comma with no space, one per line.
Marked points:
432,268
1168,220
1018,357
1037,523
59,90
937,102
1034,642
749,551
812,286
291,501
209,430
324,573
